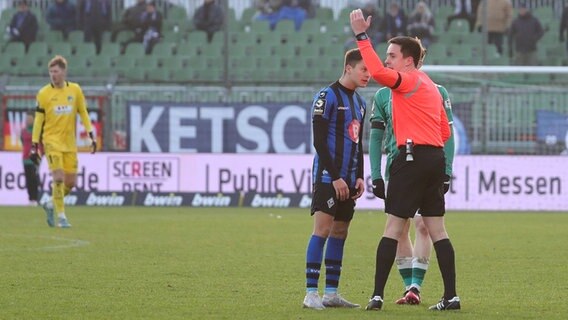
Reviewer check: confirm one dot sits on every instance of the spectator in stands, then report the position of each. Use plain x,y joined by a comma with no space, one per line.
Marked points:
96,17
464,10
421,24
150,30
525,32
309,7
23,27
499,18
209,18
276,10
374,31
131,19
564,25
395,22
61,16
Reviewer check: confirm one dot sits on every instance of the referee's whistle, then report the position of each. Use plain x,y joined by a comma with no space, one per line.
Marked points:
409,145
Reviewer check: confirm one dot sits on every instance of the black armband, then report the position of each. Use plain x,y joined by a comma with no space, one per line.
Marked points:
362,36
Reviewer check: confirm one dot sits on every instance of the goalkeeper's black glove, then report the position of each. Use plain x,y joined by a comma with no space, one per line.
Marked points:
447,179
379,188
35,157
93,142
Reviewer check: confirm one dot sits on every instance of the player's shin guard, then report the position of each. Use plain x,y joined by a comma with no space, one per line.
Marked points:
314,256
333,261
447,263
57,193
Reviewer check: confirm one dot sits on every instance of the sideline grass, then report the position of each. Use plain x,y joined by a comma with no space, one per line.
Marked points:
164,263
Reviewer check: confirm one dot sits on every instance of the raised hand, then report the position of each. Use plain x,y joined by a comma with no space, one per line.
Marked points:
358,22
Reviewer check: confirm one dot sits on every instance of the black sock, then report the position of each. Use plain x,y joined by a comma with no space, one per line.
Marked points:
386,252
447,263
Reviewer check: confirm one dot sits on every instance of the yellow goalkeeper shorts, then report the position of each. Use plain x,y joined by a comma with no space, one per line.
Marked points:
66,161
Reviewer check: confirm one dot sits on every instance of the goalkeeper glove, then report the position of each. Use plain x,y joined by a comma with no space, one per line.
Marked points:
379,188
35,157
93,142
447,179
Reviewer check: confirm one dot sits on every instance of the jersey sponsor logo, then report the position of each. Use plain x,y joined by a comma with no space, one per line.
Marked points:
60,110
69,99
353,130
448,104
319,107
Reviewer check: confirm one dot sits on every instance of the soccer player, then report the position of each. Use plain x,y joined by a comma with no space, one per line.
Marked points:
55,120
412,262
337,117
417,174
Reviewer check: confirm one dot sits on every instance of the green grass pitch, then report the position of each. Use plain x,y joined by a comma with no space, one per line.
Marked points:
190,263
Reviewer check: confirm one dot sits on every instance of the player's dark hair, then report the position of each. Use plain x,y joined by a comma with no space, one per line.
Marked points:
410,47
58,61
352,57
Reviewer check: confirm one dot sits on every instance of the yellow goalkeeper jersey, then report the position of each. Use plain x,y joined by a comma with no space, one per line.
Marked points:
56,117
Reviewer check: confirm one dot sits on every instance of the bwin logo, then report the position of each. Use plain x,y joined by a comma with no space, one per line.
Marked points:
219,200
270,202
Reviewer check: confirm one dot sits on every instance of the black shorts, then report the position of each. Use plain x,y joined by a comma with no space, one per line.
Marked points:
324,199
417,185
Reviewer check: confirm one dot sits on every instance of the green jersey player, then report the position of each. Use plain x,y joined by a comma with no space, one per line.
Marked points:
412,262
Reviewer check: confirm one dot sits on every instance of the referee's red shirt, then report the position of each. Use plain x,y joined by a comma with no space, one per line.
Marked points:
417,106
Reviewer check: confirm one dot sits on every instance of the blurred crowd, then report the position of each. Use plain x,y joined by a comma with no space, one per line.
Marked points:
144,21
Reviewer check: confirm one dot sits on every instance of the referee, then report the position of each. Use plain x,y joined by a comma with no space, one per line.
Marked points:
417,174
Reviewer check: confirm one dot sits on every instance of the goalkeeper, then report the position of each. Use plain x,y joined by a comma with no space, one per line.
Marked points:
55,125
412,262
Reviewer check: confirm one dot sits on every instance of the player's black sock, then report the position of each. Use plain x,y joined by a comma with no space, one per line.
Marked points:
386,252
447,263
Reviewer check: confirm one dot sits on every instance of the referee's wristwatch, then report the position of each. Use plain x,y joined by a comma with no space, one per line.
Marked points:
362,36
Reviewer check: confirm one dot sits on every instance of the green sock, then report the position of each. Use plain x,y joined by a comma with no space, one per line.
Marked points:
404,265
419,267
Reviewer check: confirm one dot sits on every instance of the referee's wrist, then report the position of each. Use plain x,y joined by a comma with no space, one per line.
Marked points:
362,36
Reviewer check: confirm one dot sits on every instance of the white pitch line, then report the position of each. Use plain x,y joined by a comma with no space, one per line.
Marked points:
71,243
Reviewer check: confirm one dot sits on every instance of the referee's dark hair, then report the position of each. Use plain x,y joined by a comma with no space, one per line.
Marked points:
410,47
352,57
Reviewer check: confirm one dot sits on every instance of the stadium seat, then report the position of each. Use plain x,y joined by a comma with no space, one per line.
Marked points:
16,49
247,15
52,36
135,50
197,38
60,48
85,49
38,48
76,36
181,75
324,14
158,74
110,49
135,74
163,49
146,61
